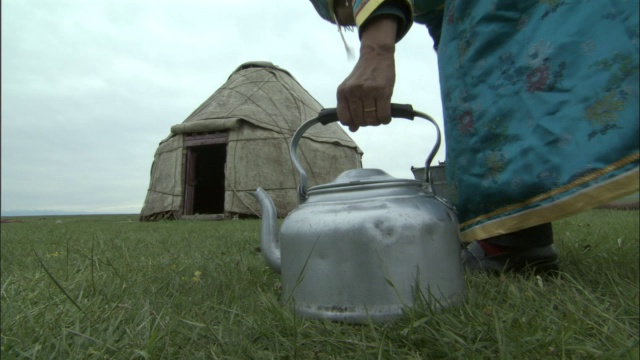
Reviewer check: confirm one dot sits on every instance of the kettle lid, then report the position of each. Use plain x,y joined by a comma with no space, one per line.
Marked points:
351,179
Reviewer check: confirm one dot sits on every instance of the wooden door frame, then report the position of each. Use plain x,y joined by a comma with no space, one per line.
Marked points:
190,157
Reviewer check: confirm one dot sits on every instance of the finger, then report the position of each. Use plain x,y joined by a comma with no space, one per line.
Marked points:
383,110
344,115
355,109
369,113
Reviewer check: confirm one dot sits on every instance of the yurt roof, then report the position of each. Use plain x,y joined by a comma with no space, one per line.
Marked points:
266,96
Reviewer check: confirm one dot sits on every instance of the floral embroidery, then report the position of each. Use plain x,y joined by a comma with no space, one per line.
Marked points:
541,78
605,110
461,114
626,69
538,73
501,136
538,78
509,73
603,130
538,53
495,165
603,113
463,45
466,38
465,122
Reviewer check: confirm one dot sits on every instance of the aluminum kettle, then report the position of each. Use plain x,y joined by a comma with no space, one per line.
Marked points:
366,245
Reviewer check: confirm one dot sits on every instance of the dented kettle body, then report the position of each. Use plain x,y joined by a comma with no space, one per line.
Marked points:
370,257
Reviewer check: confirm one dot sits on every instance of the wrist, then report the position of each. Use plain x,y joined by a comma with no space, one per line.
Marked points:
379,35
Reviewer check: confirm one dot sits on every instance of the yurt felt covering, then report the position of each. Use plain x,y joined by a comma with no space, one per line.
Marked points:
258,109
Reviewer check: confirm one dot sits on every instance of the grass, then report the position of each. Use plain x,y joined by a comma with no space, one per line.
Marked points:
110,287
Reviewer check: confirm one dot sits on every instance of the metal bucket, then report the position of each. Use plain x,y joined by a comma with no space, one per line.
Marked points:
438,178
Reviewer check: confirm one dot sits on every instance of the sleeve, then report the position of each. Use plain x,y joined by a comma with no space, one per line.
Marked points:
324,8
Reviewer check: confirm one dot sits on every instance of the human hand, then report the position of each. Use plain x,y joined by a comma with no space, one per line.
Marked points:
364,97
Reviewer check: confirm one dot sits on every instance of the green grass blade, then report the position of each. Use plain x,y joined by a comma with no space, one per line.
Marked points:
59,285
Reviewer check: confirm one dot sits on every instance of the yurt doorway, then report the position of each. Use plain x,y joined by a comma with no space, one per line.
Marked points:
205,173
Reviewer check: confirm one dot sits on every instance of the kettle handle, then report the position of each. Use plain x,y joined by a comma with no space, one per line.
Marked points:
329,115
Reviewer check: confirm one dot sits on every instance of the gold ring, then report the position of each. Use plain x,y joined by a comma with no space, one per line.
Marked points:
370,109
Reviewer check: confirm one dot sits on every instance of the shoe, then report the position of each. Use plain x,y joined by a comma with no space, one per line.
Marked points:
526,250
539,259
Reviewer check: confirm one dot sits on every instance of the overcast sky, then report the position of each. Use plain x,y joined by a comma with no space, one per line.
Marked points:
89,88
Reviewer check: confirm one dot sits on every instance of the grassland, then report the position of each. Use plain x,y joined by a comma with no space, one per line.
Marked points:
110,287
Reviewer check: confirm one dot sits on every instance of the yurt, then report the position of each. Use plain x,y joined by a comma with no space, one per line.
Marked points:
237,141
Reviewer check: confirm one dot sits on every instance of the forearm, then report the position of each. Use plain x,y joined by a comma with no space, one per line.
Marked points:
364,97
379,35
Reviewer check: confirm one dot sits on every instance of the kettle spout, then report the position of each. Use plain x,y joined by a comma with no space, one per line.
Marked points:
269,242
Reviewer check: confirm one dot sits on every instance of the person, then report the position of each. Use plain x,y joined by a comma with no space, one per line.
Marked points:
540,101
